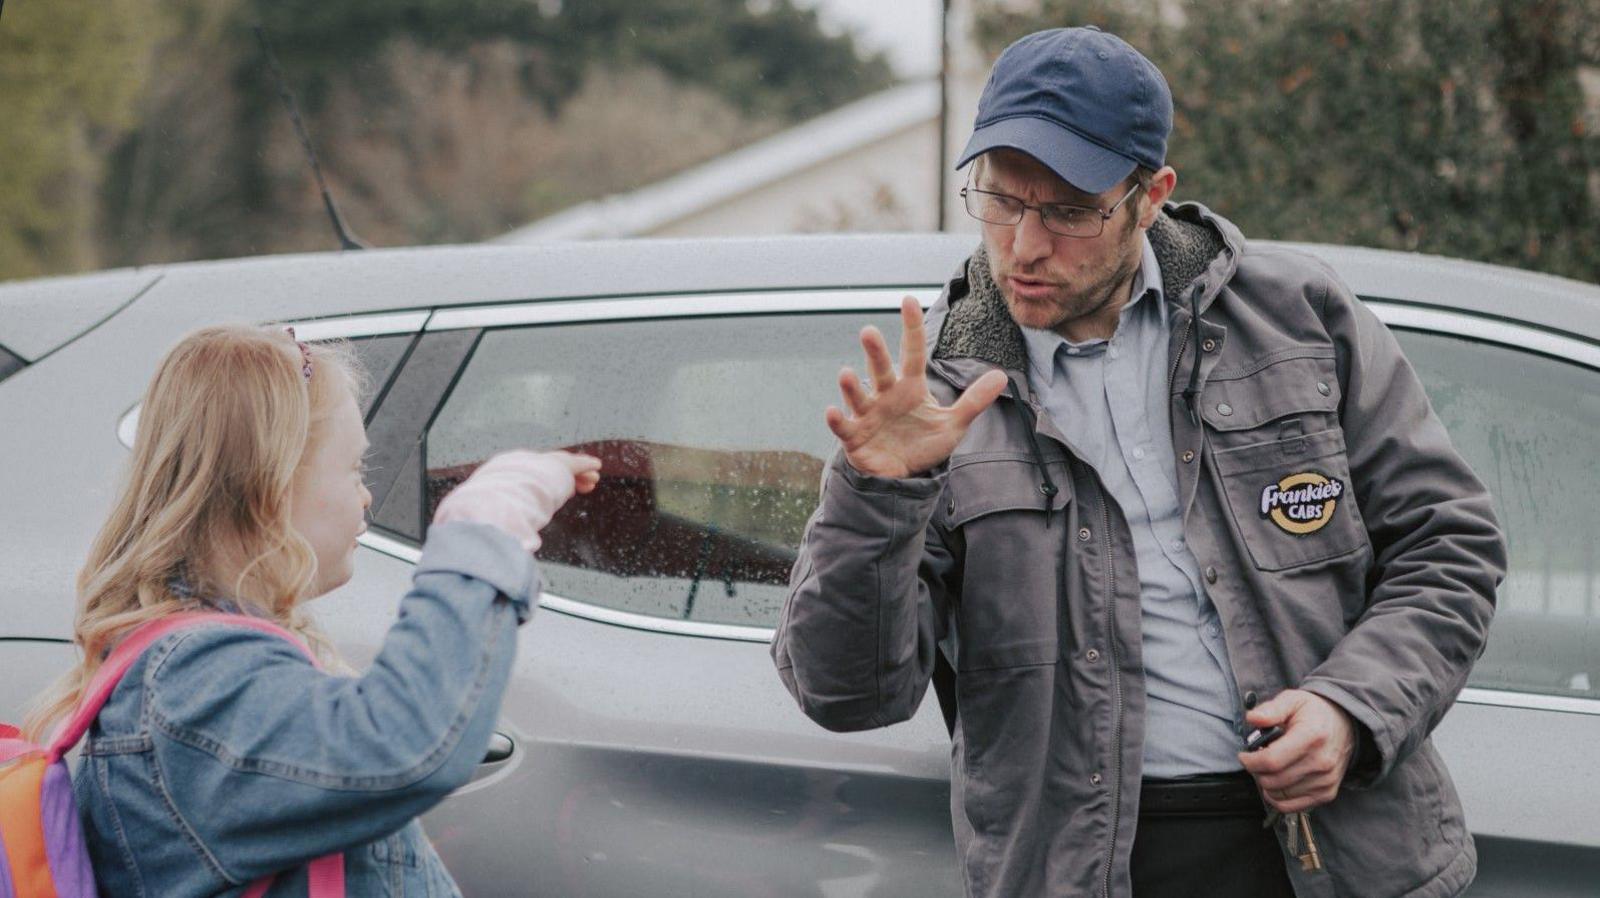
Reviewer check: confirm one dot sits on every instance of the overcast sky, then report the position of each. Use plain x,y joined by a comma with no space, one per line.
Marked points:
907,30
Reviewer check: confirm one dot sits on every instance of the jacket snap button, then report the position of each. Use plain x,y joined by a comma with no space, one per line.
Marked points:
1224,409
1093,655
1094,778
1209,346
1324,389
1083,533
1211,574
950,508
1188,456
1250,699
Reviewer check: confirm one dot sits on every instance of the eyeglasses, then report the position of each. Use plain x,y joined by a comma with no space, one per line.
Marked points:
1058,218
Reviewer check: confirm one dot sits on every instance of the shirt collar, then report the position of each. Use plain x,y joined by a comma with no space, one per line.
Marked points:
1044,345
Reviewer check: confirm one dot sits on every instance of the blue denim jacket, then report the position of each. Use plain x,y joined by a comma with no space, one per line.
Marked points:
224,756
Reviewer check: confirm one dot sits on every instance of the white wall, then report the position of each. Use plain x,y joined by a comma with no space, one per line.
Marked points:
889,185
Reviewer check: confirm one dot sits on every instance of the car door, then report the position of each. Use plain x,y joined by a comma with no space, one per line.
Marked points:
1523,407
647,746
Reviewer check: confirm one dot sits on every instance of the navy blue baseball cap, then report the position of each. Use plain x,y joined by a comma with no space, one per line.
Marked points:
1079,100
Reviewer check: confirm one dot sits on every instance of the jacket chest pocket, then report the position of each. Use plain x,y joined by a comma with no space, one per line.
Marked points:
1281,464
1012,532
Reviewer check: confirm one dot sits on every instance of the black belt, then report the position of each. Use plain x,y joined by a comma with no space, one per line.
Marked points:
1208,795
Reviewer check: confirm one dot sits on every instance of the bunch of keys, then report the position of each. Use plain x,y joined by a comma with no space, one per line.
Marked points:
1300,828
1299,825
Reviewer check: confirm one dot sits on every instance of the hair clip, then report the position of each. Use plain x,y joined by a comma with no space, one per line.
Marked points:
305,351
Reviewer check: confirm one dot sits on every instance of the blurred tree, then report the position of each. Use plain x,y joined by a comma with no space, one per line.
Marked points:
70,75
437,120
1460,128
768,58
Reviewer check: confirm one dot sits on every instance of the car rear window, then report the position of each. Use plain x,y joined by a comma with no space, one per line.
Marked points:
1528,425
712,438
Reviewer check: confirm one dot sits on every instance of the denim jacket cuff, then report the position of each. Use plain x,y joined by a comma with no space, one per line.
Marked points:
484,552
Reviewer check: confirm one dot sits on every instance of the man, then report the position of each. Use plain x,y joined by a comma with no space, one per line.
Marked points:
1146,489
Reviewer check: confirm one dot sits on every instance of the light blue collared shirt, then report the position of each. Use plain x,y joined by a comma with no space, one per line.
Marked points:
1110,399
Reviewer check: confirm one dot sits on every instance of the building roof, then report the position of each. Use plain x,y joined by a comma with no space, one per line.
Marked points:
804,146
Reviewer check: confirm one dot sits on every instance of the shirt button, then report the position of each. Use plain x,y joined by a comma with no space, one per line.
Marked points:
1138,453
1224,409
1177,544
1083,533
1094,779
1188,456
1209,346
1211,574
1093,655
951,507
1213,629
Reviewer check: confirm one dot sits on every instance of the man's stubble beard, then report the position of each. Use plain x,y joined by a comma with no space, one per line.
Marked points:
1080,304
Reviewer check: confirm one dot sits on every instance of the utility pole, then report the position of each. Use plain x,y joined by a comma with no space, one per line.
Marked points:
944,106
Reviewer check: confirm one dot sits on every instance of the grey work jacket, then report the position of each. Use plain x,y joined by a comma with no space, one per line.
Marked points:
1012,560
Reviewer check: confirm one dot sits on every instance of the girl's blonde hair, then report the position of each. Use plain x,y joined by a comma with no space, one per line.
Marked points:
225,423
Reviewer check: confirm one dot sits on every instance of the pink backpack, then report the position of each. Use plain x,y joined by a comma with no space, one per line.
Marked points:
42,852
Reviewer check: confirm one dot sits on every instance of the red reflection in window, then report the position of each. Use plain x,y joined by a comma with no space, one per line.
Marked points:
622,529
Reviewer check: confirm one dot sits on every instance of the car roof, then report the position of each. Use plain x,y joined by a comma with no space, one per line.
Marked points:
39,316
310,285
1494,291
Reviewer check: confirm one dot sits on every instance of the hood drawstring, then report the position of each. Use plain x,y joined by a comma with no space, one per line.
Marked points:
1047,486
1191,393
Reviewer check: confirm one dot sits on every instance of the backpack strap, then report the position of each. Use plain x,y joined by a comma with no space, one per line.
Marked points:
325,874
128,651
324,879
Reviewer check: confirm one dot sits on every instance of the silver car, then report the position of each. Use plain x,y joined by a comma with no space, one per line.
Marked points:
646,746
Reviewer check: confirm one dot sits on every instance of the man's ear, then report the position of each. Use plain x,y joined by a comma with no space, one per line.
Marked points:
1156,193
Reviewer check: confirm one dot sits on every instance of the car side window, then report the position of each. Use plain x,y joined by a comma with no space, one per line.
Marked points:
378,356
1528,425
712,439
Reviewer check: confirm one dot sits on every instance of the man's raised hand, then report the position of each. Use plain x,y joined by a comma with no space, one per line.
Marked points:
897,428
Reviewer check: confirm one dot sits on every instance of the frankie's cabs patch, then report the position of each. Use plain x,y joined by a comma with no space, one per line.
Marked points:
1301,503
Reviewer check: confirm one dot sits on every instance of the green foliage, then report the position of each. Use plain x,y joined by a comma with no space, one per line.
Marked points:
70,72
1456,128
150,130
772,60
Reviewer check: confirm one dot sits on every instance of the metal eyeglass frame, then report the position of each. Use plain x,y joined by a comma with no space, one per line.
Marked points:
1105,214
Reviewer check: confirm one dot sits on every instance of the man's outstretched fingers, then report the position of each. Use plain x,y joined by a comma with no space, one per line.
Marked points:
979,396
855,395
913,346
880,367
842,427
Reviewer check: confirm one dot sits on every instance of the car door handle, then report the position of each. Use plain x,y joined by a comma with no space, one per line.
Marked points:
500,748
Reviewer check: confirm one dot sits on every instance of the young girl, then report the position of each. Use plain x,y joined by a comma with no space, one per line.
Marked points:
224,756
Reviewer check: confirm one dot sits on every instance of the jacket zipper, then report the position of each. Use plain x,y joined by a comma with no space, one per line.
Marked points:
1047,486
1183,343
1116,685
